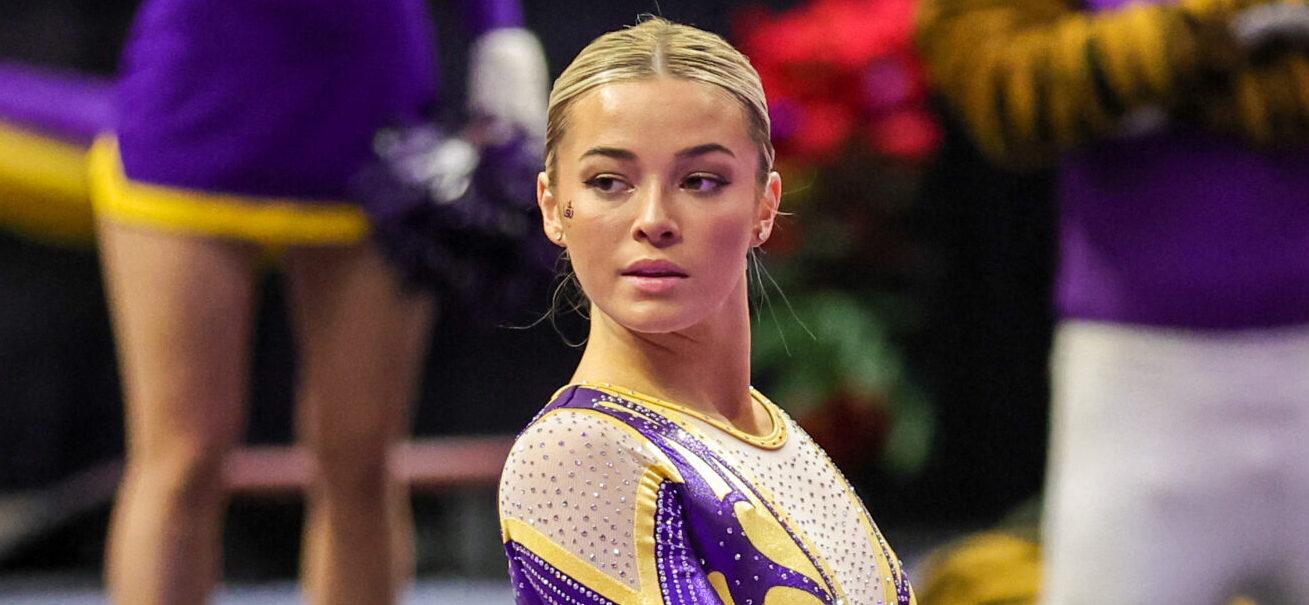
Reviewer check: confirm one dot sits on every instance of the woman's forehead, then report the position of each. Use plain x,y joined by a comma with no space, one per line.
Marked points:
657,113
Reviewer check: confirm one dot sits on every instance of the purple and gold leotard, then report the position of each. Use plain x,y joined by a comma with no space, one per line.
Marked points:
611,496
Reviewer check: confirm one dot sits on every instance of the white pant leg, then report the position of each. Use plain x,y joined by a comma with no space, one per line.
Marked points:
1295,440
1166,482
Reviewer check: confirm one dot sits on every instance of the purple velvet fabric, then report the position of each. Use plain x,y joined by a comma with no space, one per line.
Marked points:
1184,229
269,98
63,105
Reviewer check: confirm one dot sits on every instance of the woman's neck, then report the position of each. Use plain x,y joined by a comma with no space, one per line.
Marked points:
705,367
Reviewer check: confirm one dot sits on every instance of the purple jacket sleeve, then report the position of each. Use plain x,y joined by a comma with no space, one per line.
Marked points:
481,16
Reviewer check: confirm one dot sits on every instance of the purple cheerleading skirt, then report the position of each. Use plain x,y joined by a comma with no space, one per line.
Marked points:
248,118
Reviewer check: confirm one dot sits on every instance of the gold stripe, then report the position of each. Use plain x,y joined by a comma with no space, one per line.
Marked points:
786,595
266,220
979,94
775,438
1076,86
44,192
1150,30
765,532
1251,105
647,505
1299,74
1021,91
519,531
1114,42
719,582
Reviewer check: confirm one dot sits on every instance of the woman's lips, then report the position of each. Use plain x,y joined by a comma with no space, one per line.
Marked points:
654,284
654,277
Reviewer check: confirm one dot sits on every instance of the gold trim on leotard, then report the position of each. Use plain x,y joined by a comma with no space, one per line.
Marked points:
775,438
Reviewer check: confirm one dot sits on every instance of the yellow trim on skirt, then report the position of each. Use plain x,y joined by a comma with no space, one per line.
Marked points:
44,192
270,221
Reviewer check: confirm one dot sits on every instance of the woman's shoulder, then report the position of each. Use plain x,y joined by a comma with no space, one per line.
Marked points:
572,484
571,425
576,407
575,439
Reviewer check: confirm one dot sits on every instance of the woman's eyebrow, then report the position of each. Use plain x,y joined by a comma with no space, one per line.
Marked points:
690,152
609,152
700,150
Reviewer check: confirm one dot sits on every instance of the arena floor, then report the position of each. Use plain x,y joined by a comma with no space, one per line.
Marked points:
58,590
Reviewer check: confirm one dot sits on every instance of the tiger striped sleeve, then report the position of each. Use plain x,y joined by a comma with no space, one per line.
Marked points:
1030,78
1267,103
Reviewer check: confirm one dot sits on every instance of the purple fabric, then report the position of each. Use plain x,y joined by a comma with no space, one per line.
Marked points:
1184,229
481,16
269,98
682,577
537,582
64,105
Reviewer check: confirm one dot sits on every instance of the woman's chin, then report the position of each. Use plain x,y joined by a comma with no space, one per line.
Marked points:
655,317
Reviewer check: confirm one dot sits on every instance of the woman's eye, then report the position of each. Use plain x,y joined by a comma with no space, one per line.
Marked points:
704,183
606,184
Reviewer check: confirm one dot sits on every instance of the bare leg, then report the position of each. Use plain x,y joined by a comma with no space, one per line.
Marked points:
362,340
181,308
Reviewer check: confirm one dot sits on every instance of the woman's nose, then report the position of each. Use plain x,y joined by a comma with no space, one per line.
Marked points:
654,221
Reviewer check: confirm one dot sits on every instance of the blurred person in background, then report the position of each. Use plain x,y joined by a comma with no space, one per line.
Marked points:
239,126
658,475
1179,468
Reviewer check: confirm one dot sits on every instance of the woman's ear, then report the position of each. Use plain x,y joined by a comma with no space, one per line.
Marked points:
550,221
770,201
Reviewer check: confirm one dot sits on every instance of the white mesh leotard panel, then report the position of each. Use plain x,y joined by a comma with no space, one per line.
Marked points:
573,476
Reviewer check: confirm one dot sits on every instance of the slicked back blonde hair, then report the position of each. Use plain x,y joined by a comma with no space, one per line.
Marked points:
657,47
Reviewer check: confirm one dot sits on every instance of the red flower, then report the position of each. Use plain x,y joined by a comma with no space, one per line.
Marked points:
910,134
841,70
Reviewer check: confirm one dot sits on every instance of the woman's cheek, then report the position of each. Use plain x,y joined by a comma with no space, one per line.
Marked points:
592,257
731,240
587,270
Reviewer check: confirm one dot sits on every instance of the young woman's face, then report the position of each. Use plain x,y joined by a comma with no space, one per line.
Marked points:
658,200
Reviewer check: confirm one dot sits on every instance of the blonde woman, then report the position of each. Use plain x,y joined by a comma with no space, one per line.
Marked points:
659,475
